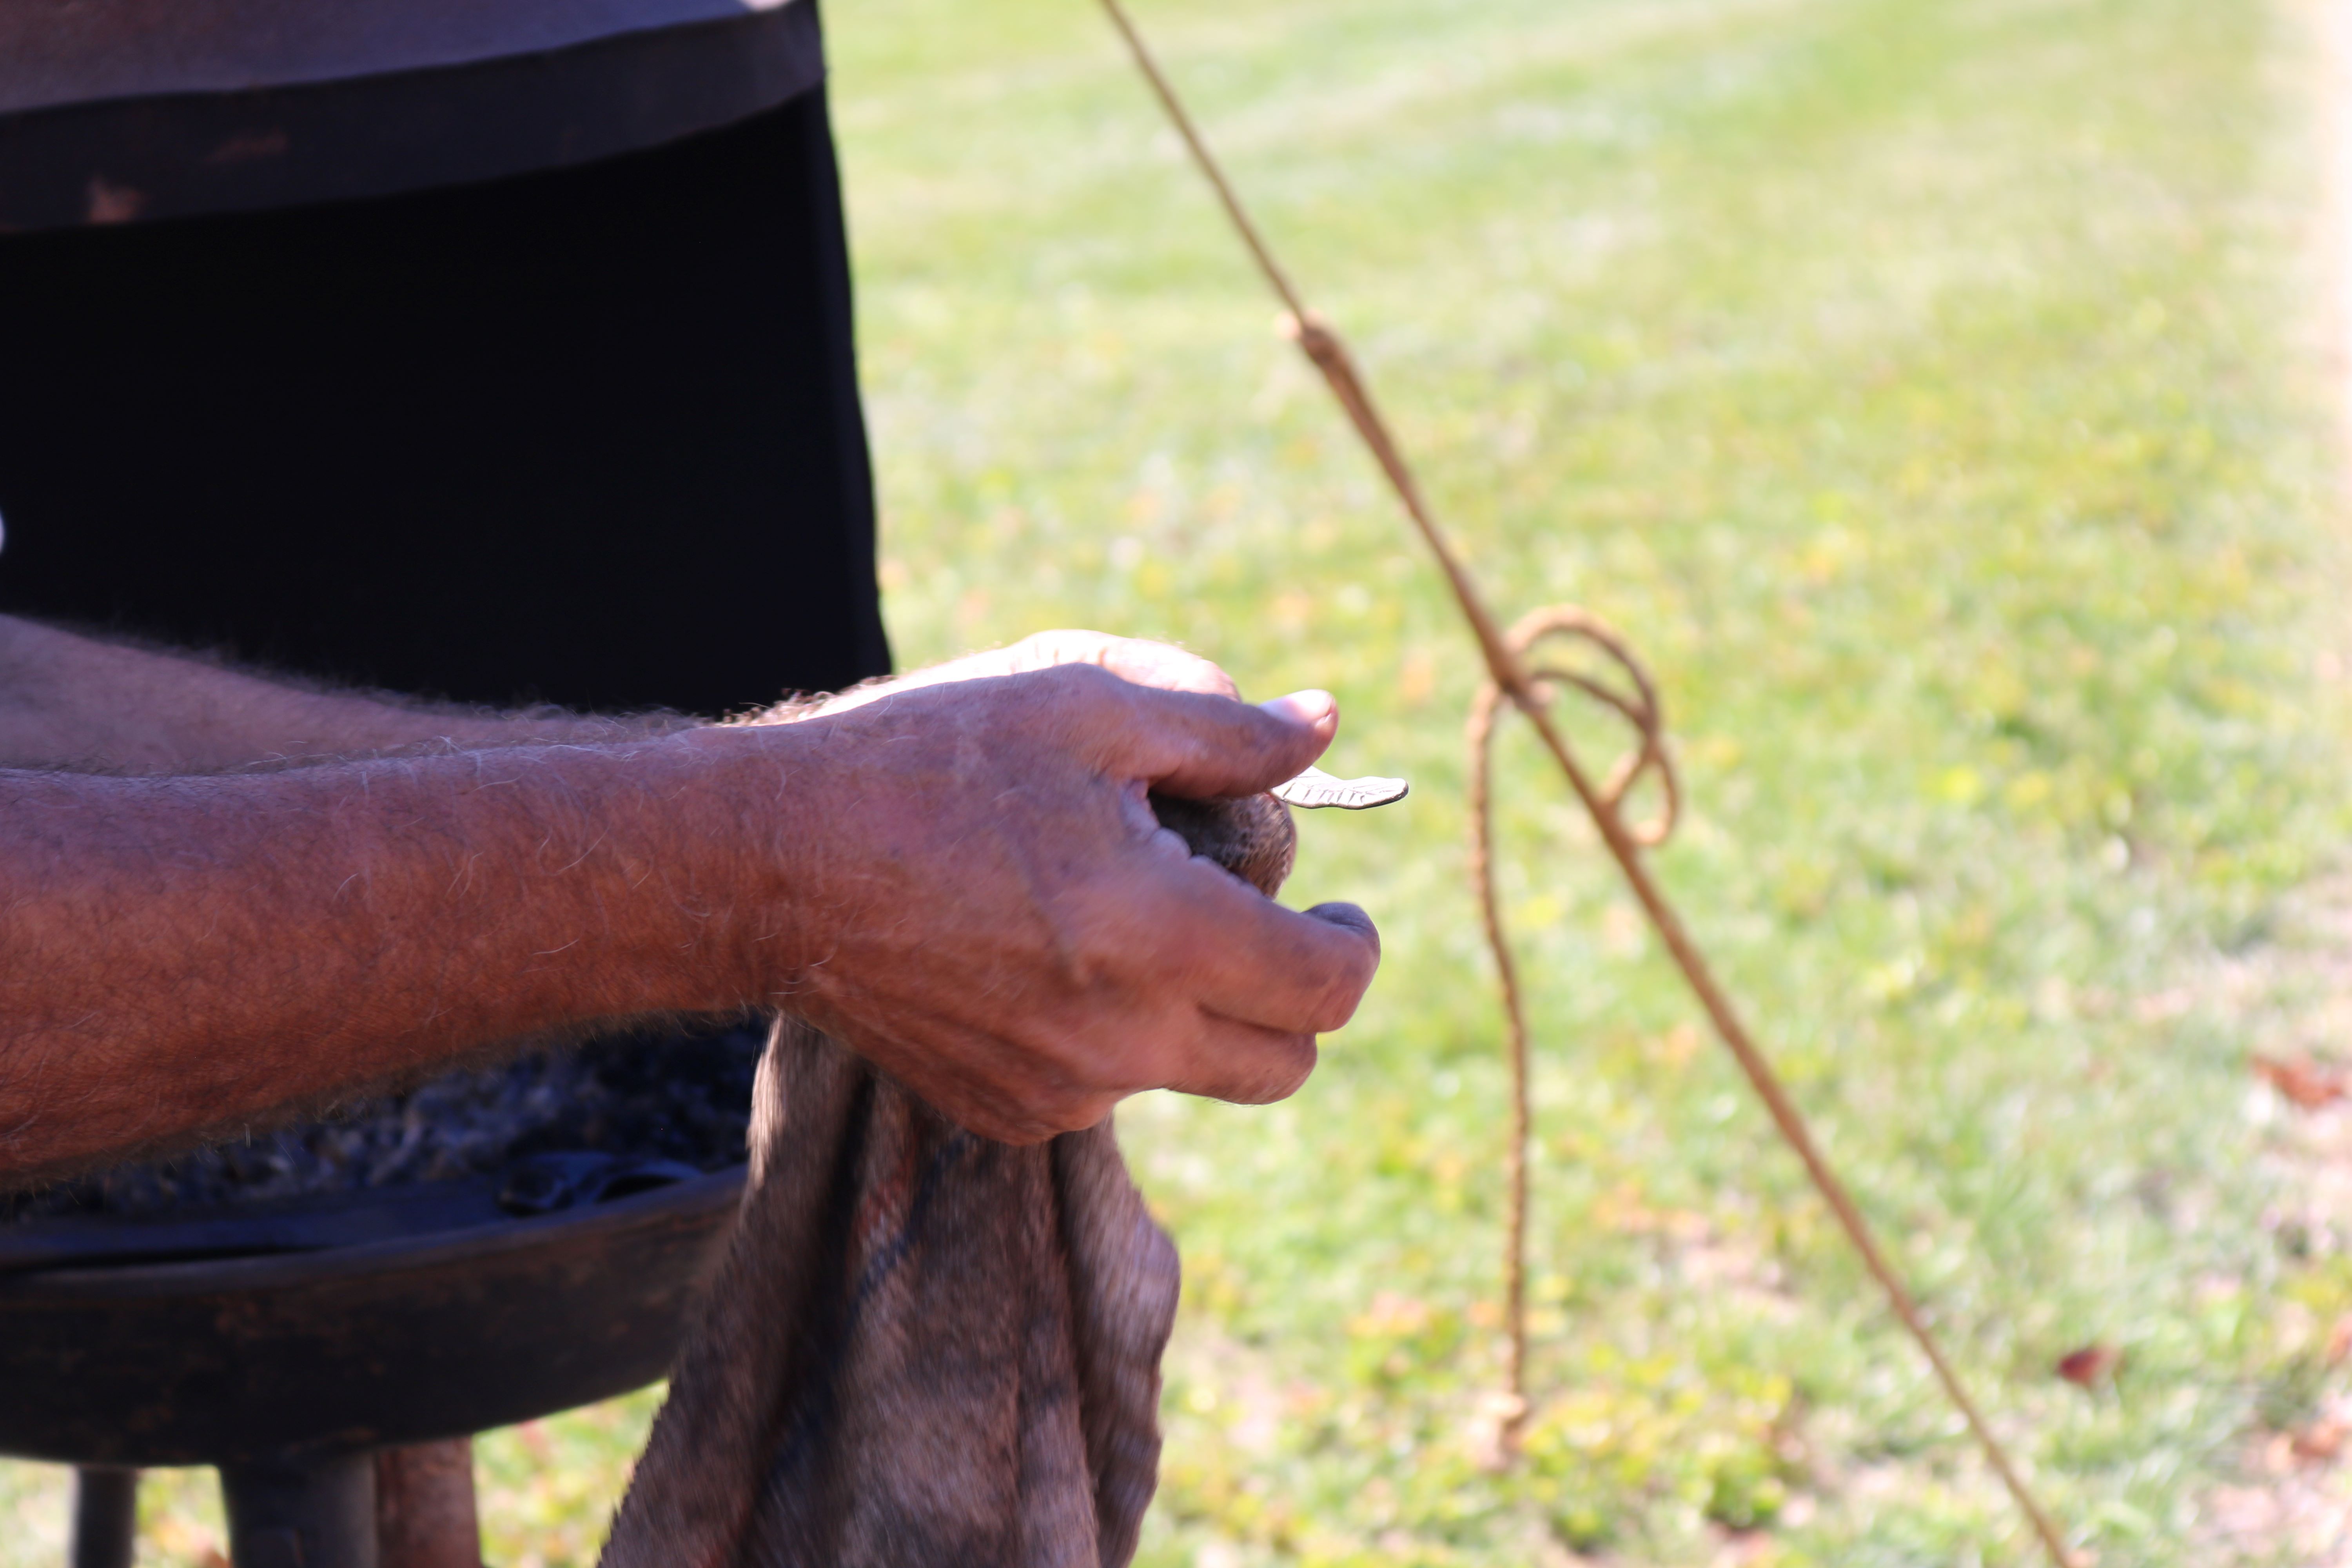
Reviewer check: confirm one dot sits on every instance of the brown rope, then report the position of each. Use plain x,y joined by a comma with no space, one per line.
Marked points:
1515,1018
1529,691
1649,758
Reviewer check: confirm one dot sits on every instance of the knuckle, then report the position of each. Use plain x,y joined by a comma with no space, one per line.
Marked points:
1184,670
1332,1013
1086,691
1078,677
1057,648
1299,1068
1339,1000
1064,1109
1218,681
1277,1072
1029,1110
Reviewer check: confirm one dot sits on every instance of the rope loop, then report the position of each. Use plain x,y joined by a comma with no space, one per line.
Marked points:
1624,689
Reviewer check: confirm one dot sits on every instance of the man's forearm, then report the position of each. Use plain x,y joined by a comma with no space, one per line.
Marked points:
959,877
182,955
76,701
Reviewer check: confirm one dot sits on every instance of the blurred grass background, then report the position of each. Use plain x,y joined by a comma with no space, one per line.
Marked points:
1934,390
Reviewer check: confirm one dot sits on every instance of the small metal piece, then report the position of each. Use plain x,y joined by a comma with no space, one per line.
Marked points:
543,1184
1315,788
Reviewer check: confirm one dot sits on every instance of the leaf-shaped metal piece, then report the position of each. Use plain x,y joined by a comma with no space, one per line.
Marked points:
1315,789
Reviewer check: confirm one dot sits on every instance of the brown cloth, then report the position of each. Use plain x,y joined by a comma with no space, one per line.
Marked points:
924,1349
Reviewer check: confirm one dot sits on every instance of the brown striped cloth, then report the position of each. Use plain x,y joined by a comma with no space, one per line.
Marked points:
923,1348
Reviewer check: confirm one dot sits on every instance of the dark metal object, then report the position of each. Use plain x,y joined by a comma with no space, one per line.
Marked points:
545,1183
534,1184
303,1224
243,1361
105,1518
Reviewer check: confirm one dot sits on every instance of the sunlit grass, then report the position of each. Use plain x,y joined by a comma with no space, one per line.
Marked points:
1925,387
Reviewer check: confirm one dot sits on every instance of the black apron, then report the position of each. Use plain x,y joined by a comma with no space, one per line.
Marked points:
505,365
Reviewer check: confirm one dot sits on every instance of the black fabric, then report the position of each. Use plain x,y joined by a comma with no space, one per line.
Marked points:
588,435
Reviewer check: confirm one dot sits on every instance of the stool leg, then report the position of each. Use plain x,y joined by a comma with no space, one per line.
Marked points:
105,1517
315,1511
424,1506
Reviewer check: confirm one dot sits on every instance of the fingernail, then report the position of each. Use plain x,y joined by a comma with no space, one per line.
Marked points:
1303,707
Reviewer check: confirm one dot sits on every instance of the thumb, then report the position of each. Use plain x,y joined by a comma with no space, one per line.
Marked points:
1217,748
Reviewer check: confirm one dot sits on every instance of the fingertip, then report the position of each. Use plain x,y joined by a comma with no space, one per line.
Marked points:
1243,1064
1317,709
1349,988
1350,917
1280,1073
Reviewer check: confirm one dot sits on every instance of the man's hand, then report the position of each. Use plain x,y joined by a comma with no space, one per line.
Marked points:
957,873
990,912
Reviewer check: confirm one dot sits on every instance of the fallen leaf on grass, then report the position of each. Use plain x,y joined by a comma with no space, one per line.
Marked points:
2091,1365
2322,1440
189,1543
2320,1443
2302,1082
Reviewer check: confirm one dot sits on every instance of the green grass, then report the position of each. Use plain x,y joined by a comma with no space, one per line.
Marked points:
1930,388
